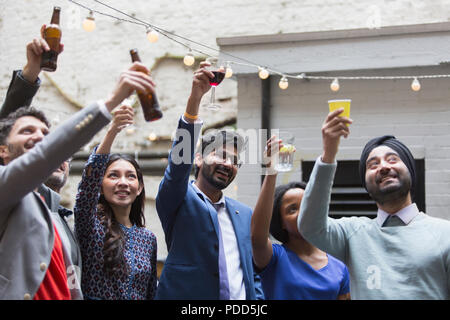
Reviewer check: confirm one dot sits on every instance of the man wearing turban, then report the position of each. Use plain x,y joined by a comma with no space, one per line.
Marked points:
402,253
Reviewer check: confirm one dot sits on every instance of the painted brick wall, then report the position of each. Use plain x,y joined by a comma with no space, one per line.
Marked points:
92,62
419,119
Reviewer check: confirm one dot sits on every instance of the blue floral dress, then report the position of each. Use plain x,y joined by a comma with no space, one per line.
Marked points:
140,249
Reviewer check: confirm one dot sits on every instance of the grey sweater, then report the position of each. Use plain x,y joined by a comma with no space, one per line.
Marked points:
404,262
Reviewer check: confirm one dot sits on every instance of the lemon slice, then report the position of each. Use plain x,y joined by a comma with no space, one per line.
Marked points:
287,149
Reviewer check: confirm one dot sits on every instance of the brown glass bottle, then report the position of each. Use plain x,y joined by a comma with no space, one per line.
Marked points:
149,102
52,34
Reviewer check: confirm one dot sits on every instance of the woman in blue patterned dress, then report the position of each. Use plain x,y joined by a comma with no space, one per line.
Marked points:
118,252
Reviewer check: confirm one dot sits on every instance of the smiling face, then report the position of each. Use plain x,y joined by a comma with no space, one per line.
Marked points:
120,185
387,177
26,132
219,168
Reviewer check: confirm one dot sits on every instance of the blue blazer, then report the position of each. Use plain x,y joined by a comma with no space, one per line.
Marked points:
190,225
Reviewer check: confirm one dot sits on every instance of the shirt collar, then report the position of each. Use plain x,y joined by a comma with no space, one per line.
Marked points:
406,214
221,200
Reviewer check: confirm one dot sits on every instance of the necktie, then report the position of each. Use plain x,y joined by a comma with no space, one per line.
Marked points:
224,292
393,221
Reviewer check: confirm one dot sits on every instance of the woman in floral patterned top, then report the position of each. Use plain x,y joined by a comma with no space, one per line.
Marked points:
118,252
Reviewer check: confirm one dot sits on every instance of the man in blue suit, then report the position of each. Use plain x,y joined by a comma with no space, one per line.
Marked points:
207,234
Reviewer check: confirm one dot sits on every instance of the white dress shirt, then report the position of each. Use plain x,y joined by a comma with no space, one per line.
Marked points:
232,255
406,214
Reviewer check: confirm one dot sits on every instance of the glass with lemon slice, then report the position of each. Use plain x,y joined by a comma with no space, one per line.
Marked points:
286,154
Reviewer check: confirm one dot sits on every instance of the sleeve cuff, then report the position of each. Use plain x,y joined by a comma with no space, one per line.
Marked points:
320,162
97,160
104,110
36,84
197,121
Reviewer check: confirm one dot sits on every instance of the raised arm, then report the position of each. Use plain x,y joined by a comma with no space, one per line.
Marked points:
262,214
173,187
37,164
313,222
26,83
122,116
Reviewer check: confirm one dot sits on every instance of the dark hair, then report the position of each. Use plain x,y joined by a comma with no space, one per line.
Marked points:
8,122
114,242
218,138
276,229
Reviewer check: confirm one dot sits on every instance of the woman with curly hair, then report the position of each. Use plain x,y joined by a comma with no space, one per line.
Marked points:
118,252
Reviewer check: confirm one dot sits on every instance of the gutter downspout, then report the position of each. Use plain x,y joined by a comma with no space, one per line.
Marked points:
266,109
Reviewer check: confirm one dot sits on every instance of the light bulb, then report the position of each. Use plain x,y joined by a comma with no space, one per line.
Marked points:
89,22
415,85
335,85
283,84
189,59
152,136
152,35
228,71
263,73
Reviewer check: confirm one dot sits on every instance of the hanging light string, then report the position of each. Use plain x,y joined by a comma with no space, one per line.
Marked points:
166,33
263,71
308,77
105,14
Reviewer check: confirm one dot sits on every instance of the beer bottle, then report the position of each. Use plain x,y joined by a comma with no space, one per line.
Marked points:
149,102
52,34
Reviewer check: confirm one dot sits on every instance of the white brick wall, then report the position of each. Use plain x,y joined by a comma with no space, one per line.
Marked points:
92,63
419,119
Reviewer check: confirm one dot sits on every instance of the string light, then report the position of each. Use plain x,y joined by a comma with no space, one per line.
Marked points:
263,73
89,22
189,59
415,85
334,86
152,136
152,35
283,84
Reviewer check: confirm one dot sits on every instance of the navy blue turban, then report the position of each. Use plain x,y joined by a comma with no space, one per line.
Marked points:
397,146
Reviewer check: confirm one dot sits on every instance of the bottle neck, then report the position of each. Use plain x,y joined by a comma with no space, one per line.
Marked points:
135,57
55,17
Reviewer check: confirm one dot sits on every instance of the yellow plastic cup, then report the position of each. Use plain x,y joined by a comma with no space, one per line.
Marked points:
343,103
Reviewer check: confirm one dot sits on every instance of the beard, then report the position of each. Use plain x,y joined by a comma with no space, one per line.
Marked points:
56,181
394,191
208,172
15,152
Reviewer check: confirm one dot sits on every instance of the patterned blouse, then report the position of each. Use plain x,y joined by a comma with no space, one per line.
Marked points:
139,252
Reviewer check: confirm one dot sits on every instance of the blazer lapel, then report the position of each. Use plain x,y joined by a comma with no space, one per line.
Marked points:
211,210
239,230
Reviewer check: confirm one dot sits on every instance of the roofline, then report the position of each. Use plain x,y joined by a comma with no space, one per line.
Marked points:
335,34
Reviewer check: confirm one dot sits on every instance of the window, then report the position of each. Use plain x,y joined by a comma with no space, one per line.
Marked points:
349,198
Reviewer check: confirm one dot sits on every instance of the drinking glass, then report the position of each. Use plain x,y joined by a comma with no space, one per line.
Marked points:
219,75
130,128
286,154
341,103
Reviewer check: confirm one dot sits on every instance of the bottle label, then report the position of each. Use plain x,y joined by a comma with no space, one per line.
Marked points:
53,37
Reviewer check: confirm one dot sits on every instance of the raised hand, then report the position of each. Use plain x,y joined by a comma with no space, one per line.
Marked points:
200,83
122,117
135,78
333,128
35,48
273,146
